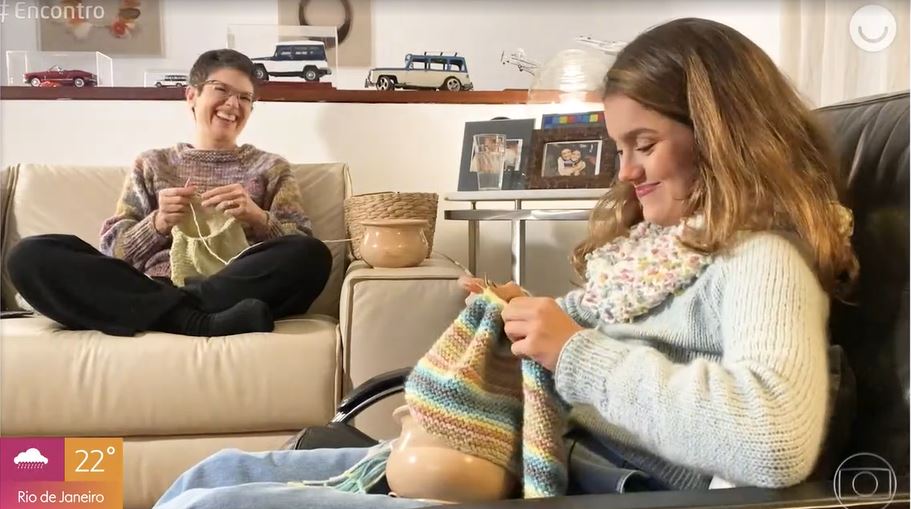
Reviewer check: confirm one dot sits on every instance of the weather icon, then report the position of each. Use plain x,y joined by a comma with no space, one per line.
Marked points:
31,459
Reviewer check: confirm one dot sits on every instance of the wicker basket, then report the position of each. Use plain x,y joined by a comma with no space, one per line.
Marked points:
389,205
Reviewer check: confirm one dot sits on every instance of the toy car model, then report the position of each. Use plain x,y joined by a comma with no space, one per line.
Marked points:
56,74
423,71
172,80
303,59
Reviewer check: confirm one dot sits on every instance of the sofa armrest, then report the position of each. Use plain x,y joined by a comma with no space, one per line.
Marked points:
388,318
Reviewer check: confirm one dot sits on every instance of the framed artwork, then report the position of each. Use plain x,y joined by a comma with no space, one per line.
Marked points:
518,134
561,120
572,157
353,18
112,27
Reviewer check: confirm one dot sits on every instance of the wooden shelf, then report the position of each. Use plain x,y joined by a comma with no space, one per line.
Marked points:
276,92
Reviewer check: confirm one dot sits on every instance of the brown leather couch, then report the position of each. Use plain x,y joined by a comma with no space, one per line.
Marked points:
178,399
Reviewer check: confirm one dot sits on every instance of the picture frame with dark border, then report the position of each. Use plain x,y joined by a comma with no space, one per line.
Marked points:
572,158
518,134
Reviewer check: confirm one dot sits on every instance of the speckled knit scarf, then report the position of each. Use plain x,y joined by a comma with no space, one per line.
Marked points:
633,274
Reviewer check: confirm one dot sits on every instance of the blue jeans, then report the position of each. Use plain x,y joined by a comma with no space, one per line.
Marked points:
234,479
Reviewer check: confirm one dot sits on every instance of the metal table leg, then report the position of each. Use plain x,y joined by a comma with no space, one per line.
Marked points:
473,232
518,252
518,248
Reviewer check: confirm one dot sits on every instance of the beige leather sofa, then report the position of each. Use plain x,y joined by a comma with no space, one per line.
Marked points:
178,399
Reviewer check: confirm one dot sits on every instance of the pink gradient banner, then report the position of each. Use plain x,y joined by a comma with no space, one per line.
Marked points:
33,476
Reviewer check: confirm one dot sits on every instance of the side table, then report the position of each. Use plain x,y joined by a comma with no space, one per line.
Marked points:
518,216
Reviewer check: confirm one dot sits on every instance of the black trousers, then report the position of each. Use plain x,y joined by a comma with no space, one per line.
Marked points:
69,281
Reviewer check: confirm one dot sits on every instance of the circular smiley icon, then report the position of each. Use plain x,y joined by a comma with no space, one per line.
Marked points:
872,28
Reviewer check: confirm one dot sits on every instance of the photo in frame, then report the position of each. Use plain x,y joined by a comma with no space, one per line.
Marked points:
572,157
518,134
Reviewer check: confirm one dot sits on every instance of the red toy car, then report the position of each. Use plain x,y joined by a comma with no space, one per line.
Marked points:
56,74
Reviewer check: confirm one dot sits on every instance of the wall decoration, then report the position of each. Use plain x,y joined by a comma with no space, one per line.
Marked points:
558,120
518,143
351,17
572,157
113,27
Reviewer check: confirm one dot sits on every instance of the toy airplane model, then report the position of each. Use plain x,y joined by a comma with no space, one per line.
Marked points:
518,59
609,47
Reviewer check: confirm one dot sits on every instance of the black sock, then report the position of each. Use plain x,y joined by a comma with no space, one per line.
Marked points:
248,315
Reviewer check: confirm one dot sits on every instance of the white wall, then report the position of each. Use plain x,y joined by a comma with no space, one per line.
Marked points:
408,147
478,29
390,147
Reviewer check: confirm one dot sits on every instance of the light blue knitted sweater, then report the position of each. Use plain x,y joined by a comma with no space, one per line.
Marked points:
727,379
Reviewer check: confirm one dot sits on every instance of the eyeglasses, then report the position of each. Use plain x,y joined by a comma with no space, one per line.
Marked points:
223,91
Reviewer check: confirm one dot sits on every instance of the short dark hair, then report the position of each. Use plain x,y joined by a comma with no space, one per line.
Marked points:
216,59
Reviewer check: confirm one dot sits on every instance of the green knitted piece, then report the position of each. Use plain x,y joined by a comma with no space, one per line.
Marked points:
472,392
204,242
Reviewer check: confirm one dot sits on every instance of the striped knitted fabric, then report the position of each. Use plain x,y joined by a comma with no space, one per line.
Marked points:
472,392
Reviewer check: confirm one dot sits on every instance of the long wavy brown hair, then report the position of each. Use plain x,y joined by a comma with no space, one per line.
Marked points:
762,161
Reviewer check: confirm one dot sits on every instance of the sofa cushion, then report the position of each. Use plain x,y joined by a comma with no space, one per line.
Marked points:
324,188
77,200
84,383
58,199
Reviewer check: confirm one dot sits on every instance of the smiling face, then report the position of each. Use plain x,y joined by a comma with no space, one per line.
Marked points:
657,157
221,108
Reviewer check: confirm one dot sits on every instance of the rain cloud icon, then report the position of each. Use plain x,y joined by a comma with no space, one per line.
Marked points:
30,460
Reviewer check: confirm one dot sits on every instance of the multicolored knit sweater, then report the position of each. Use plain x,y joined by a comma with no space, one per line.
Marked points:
131,235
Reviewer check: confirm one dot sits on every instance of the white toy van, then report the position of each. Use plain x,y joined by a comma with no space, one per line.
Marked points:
303,59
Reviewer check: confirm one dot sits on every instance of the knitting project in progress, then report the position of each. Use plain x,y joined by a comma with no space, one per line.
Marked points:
472,392
204,242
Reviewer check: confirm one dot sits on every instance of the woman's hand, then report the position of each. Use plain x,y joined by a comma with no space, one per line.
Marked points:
234,201
538,329
173,203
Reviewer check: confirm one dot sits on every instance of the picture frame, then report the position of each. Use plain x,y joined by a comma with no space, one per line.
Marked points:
111,27
572,157
518,134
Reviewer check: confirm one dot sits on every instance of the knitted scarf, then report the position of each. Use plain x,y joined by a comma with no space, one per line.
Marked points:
470,391
204,242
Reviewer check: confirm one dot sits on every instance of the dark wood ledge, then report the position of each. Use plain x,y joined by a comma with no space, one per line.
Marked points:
276,92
